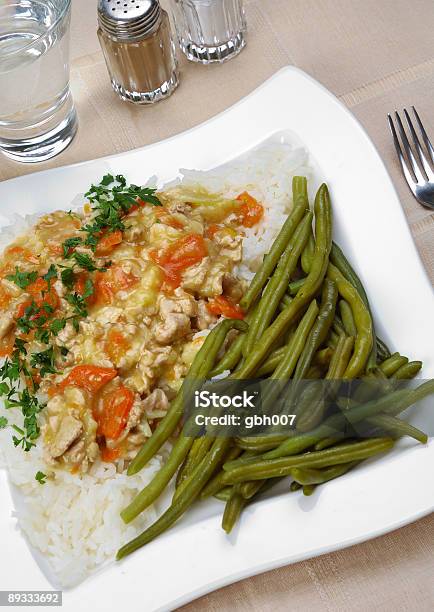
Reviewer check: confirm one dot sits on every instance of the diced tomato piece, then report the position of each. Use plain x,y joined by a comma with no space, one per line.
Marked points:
108,283
180,255
113,417
80,287
211,230
251,212
163,214
42,296
220,305
107,243
110,454
89,377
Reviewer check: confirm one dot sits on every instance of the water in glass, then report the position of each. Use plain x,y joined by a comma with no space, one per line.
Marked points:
37,116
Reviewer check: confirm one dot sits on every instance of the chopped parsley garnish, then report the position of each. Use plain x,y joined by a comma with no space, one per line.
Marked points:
33,317
57,325
70,243
41,477
30,407
52,273
3,422
22,279
112,200
44,361
67,276
86,262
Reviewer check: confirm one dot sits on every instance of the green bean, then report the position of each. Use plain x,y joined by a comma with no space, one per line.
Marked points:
234,507
392,364
313,405
315,372
323,357
249,489
362,318
285,302
200,477
272,362
370,385
295,286
326,443
224,494
300,206
308,490
338,327
383,351
308,254
393,404
153,490
231,357
197,452
200,368
294,486
310,476
339,260
260,443
319,330
397,427
409,370
332,340
215,484
261,469
340,359
276,288
347,318
181,475
294,349
304,296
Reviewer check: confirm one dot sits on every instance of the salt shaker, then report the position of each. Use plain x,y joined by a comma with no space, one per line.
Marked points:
210,30
138,48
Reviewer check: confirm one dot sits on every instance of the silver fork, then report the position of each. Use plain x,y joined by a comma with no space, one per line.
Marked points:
417,165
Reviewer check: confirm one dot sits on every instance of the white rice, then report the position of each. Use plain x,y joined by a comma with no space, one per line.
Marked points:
74,520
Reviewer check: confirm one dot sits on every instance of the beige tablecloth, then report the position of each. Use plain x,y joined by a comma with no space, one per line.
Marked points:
375,55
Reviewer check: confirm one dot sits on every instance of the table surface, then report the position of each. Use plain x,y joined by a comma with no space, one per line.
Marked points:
375,56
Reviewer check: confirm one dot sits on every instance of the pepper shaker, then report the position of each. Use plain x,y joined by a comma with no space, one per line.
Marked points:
210,30
138,48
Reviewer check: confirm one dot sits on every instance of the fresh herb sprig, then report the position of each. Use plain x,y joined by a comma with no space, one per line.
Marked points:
11,373
41,477
112,199
22,279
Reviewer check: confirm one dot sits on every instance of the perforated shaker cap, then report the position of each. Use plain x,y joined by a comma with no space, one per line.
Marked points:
128,19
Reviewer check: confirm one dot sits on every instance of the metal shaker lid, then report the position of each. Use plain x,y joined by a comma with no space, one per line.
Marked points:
128,19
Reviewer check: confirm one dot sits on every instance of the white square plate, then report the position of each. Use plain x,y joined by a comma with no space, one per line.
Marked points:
196,556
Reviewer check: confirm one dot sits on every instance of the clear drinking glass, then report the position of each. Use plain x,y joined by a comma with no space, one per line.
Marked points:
37,115
210,30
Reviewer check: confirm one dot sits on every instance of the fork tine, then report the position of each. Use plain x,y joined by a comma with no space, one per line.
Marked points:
423,162
412,160
424,135
408,176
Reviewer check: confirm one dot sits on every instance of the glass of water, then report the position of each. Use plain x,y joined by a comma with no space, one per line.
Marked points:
37,115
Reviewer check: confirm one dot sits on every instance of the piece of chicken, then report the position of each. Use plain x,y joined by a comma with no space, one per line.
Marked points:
70,429
175,314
